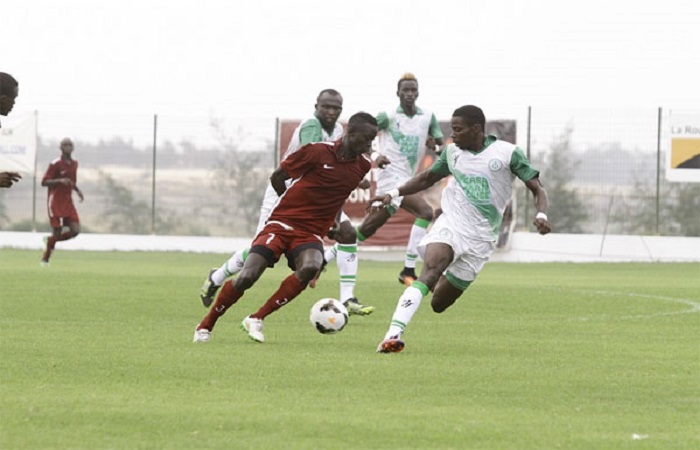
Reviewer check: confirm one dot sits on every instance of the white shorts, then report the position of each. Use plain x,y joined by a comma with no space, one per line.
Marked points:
470,255
388,180
268,203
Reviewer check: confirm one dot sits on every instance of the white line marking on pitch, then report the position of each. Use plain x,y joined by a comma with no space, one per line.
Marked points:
694,306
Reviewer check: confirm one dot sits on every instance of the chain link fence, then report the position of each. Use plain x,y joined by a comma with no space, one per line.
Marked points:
205,176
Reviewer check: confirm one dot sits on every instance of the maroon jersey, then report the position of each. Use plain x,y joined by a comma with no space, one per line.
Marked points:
322,183
60,200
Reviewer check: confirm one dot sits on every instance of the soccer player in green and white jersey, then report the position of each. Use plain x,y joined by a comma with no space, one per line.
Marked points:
9,89
323,126
402,138
463,237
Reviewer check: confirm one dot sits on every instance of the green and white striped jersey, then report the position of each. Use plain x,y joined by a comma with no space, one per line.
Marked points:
481,185
402,138
309,131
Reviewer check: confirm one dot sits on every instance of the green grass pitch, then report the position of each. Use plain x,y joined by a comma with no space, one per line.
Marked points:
97,353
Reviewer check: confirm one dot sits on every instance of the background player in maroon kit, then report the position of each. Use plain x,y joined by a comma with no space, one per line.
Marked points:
325,174
61,178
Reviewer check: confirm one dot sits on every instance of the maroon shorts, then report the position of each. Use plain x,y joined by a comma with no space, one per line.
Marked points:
64,219
275,240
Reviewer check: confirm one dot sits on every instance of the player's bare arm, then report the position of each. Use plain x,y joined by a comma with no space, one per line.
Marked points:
418,183
541,204
57,181
277,180
79,192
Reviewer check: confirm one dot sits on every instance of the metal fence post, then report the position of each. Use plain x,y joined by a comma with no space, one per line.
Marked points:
529,134
153,177
658,170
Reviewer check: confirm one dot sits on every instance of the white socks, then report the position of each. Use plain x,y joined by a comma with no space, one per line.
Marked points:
405,309
418,231
347,266
231,267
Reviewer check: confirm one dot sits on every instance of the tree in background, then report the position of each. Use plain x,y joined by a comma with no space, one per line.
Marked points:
567,211
124,214
239,172
679,204
683,205
557,168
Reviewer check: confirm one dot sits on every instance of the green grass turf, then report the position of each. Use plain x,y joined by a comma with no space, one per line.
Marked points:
96,353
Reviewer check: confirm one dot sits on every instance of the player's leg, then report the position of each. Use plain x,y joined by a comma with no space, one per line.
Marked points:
230,293
232,266
306,260
438,256
50,241
330,253
73,224
416,205
265,251
216,277
347,259
449,288
461,274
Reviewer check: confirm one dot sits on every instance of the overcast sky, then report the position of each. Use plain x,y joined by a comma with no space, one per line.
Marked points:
269,58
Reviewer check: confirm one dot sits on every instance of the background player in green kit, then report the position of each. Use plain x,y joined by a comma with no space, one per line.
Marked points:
403,133
463,237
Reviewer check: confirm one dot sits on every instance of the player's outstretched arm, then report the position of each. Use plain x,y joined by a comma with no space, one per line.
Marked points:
8,178
418,183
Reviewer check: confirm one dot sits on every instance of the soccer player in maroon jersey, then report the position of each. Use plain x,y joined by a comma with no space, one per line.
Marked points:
325,174
61,178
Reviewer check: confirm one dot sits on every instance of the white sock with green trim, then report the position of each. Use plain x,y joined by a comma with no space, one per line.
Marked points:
418,231
347,266
405,309
330,254
231,267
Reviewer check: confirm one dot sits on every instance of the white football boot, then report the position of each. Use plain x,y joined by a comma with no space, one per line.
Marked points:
201,335
254,328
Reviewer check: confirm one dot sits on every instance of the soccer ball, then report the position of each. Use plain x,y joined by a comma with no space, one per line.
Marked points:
328,316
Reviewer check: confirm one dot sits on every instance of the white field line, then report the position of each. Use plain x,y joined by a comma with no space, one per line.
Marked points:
694,307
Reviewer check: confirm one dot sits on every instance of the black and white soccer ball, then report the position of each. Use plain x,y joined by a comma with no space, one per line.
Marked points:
328,316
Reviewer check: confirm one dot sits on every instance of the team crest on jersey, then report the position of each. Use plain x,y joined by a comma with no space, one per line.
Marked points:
445,233
495,165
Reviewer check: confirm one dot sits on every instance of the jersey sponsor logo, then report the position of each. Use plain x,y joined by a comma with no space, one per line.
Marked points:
476,188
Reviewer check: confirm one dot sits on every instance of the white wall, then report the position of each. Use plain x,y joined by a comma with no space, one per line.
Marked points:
524,247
